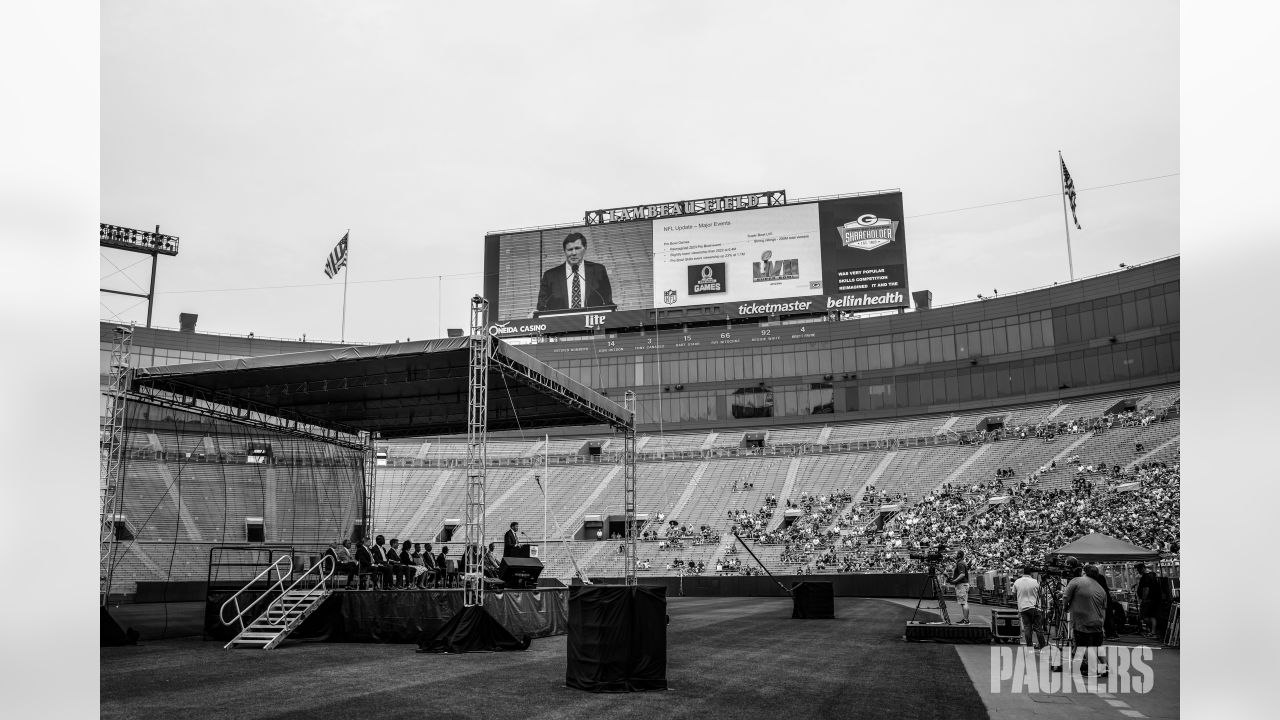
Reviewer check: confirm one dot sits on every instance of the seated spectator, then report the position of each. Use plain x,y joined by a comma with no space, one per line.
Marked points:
431,577
408,568
344,561
379,574
491,566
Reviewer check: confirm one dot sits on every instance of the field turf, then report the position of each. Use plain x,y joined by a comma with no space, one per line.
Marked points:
726,658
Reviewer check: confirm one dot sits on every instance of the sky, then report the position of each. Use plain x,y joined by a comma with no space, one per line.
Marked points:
261,132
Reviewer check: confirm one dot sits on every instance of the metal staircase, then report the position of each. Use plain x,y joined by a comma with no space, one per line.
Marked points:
283,614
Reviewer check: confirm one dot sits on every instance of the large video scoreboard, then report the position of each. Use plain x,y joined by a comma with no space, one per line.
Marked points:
767,257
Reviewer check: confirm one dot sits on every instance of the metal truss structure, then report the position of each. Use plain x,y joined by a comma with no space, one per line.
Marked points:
477,454
139,241
112,450
370,472
203,402
629,490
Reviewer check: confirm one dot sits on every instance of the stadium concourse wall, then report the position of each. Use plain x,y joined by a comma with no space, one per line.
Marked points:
1110,333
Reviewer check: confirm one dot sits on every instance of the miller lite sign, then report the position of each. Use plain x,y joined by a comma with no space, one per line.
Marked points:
593,320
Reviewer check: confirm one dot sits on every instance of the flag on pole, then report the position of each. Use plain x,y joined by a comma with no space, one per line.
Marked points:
338,258
1070,188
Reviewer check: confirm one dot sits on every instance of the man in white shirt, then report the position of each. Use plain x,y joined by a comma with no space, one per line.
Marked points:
1028,590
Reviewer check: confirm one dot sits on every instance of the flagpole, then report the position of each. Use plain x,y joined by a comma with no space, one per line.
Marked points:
345,266
1062,182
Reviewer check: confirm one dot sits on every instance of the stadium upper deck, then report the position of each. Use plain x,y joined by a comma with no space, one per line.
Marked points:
1113,332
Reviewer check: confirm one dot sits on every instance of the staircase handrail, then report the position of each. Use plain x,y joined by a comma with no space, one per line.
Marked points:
318,589
240,612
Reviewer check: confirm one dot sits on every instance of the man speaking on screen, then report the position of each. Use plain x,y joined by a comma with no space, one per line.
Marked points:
575,283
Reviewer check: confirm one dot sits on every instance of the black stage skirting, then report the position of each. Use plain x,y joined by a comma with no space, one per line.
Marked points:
898,585
402,616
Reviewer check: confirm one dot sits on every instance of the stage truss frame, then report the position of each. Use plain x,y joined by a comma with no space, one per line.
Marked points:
113,454
477,454
485,353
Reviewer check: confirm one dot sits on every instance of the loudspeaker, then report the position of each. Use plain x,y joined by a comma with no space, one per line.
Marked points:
813,600
923,298
520,572
617,638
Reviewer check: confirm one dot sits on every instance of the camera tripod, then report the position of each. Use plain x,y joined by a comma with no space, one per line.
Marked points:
1059,629
933,584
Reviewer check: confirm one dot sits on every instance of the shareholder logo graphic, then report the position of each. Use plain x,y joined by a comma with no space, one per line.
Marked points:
506,328
707,279
1057,670
669,297
769,270
868,232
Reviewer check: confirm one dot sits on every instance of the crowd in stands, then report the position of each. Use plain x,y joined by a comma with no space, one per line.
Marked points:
1049,430
751,525
1141,506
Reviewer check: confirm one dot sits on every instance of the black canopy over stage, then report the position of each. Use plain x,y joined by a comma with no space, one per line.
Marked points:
353,395
397,390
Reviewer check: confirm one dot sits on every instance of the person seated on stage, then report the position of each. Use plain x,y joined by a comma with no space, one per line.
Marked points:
412,567
432,574
491,566
345,562
403,573
471,553
399,571
379,551
379,573
447,567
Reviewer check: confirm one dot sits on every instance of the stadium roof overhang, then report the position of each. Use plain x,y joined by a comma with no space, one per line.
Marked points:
397,390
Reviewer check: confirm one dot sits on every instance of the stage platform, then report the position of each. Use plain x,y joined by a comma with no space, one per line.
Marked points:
402,616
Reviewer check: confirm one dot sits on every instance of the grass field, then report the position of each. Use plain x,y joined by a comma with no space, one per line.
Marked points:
726,658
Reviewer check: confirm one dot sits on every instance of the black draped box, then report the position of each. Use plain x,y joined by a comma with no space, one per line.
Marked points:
812,600
617,638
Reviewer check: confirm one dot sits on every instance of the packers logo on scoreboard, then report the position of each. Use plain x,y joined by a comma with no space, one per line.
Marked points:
868,232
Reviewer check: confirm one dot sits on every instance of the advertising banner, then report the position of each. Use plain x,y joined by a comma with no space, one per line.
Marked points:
844,254
732,257
864,253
